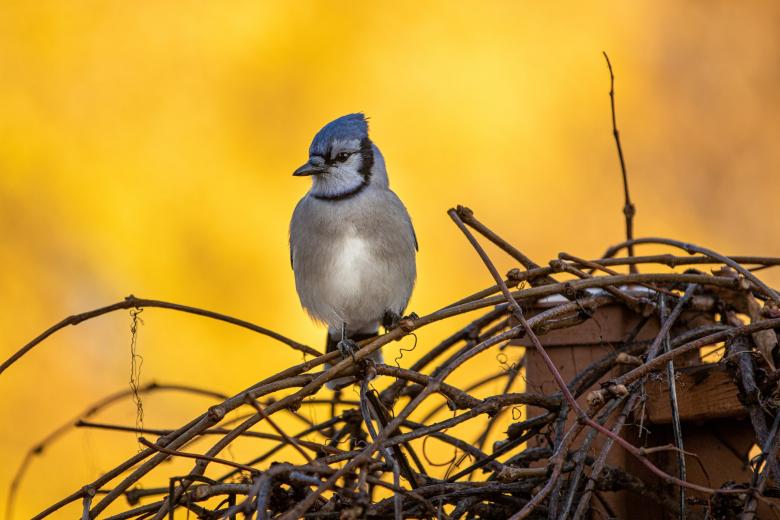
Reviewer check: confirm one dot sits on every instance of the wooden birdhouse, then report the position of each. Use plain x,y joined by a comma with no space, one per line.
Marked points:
715,427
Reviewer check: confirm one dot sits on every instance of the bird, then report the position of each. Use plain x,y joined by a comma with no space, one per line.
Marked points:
352,243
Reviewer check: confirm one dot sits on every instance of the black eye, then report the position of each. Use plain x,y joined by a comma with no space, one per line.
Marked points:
342,156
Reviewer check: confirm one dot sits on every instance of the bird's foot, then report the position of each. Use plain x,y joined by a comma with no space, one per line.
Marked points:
347,347
392,319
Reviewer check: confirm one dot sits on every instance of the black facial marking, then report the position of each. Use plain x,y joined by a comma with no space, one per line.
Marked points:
367,154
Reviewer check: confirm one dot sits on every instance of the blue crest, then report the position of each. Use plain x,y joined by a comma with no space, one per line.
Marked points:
345,128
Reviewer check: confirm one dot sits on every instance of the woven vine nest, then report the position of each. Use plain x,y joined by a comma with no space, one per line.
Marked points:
536,436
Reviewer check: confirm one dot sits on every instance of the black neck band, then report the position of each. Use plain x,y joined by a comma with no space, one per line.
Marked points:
344,194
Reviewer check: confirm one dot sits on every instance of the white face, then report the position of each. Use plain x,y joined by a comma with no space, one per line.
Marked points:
342,170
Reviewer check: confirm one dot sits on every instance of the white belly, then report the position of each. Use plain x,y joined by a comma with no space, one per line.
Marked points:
349,282
353,267
357,285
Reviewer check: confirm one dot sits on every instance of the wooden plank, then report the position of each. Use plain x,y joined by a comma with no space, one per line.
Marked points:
609,324
570,360
612,324
704,392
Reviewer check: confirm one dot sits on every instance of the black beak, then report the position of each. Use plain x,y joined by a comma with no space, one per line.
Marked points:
308,169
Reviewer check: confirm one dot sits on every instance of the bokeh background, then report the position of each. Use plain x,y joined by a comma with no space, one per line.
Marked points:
147,147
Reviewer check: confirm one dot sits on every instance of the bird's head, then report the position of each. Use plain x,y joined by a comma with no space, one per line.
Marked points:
342,159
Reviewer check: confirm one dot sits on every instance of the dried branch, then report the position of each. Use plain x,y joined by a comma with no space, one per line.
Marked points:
131,302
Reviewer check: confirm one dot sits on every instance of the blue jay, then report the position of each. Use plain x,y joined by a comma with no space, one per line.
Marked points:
352,244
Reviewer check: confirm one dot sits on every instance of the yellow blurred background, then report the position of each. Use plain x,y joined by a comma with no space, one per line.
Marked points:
147,148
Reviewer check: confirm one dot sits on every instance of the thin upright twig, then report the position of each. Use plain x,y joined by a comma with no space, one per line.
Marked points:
629,210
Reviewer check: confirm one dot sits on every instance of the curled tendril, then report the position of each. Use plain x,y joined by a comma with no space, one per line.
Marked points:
136,362
402,351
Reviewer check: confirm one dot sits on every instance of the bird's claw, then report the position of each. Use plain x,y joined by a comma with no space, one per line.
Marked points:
392,319
347,347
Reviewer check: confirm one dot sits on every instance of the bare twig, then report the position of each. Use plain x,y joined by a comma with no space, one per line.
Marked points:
676,425
132,302
629,210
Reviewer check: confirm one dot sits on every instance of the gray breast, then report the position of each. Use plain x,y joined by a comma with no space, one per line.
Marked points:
353,260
